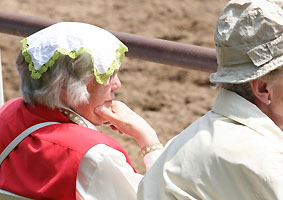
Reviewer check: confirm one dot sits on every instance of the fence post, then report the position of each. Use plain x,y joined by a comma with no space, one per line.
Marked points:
1,84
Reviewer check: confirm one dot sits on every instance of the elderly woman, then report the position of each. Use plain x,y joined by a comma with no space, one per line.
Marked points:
235,151
50,147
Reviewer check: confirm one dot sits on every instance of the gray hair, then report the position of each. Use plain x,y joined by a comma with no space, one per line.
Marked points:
244,89
67,75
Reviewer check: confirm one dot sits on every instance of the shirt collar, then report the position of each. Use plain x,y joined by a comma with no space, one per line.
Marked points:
235,107
76,118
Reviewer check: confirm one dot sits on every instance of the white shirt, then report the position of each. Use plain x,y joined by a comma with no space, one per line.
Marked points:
233,152
104,174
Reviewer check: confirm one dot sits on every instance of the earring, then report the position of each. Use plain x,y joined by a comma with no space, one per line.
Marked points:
268,102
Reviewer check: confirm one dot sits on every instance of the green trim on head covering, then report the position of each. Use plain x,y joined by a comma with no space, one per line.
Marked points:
100,78
119,56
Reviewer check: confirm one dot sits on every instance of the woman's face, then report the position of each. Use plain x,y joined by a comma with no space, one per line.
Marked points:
99,94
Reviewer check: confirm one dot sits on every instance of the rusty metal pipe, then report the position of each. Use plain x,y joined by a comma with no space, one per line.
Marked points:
150,49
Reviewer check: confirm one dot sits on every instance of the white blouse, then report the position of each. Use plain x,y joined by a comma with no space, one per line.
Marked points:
103,172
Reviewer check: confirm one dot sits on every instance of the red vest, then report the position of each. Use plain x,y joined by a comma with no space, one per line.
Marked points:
45,164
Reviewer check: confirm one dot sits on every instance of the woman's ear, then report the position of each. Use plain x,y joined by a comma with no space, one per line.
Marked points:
260,90
63,97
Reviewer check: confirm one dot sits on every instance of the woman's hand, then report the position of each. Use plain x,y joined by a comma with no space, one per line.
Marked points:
127,121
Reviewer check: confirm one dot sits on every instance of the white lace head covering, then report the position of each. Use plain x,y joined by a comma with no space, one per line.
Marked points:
42,48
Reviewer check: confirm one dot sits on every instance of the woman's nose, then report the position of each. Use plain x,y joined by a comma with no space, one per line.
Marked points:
116,83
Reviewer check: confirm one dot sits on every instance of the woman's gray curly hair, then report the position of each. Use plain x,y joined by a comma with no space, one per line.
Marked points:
67,75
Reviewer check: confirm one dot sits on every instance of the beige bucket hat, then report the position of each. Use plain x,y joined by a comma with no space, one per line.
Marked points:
248,40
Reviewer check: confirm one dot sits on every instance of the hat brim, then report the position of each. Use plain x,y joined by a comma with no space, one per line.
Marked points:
243,73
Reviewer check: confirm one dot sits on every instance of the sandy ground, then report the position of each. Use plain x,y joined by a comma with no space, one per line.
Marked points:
169,98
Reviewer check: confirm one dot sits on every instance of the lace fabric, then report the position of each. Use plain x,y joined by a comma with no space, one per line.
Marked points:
100,78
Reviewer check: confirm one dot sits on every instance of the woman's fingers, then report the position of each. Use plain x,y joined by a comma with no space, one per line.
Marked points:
127,121
114,112
115,129
103,111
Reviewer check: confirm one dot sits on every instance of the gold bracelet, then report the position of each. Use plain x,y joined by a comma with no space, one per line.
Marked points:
150,148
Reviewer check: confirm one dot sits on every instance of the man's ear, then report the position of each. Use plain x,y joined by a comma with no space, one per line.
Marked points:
260,90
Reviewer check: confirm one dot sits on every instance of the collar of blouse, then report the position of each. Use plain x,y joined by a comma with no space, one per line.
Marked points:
76,118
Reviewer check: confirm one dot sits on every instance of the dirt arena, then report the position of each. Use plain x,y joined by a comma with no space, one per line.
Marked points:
169,98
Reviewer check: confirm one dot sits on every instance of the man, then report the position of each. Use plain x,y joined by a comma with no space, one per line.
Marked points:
235,151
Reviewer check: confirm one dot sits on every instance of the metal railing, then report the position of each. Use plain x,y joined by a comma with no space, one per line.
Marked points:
150,49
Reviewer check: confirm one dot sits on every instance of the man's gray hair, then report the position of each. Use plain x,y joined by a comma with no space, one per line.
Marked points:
67,75
243,89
